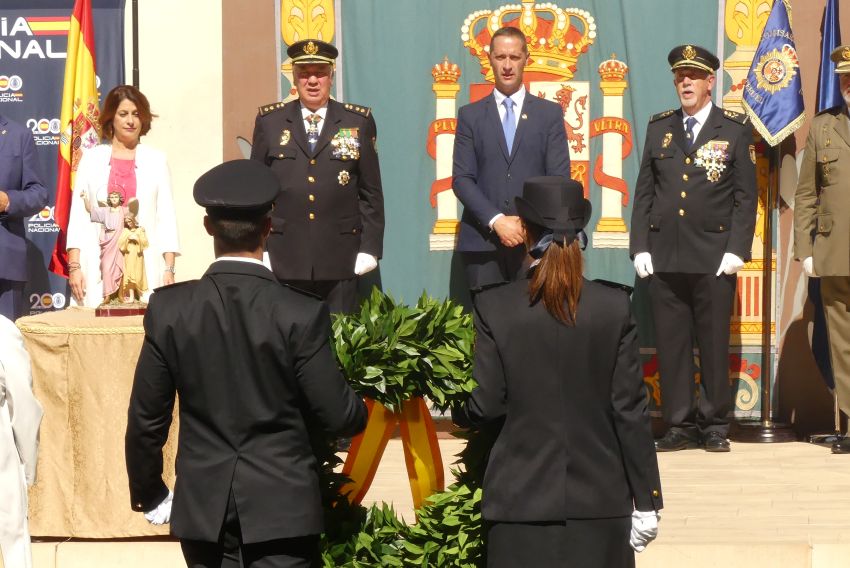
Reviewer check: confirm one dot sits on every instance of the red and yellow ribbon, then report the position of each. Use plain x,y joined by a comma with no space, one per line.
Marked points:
421,450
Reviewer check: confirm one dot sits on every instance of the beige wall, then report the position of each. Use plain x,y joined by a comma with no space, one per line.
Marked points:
180,71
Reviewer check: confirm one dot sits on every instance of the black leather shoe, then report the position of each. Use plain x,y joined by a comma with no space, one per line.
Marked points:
715,442
675,440
842,446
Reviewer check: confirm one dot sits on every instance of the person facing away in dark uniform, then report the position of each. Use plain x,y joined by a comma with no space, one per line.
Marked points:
572,479
251,362
328,223
692,230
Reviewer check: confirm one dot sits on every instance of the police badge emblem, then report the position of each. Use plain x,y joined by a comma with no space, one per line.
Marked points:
689,52
776,69
311,48
343,178
284,137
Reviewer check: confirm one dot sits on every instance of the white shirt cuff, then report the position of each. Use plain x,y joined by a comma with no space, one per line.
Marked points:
493,220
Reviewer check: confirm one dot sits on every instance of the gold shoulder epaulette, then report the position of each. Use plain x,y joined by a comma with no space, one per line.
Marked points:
266,109
365,111
736,116
661,115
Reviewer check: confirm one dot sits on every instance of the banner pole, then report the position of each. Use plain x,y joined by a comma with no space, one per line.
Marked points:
766,430
135,33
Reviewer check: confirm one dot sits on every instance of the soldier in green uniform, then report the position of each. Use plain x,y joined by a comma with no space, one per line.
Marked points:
328,222
692,230
822,227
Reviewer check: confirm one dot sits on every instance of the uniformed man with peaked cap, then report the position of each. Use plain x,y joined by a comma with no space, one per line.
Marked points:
822,226
328,226
692,229
251,362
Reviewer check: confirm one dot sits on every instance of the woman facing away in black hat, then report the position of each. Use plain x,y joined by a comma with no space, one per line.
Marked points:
572,479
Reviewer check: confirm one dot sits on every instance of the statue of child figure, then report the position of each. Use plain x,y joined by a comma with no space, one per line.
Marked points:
132,243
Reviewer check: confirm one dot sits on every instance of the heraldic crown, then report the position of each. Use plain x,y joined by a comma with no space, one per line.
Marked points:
554,40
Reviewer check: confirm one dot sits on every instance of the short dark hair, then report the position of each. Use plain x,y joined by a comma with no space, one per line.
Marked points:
110,107
237,234
510,31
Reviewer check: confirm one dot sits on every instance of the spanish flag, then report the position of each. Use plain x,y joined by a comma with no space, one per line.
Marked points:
79,128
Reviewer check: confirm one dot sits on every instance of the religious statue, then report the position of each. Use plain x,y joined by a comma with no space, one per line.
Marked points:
111,216
132,243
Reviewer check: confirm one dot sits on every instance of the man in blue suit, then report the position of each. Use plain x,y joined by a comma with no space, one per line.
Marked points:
501,141
21,195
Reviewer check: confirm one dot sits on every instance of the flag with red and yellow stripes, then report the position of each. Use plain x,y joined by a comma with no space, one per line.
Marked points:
421,450
79,128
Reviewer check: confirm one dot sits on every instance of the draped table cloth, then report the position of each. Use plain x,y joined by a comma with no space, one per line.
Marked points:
83,370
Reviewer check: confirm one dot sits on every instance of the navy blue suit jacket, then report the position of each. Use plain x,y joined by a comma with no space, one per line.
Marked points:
20,179
486,178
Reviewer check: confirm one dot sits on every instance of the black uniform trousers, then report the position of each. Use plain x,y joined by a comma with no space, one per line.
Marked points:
586,543
485,269
299,552
687,307
339,295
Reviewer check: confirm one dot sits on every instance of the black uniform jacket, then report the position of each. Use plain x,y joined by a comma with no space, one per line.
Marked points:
692,206
251,362
332,205
576,440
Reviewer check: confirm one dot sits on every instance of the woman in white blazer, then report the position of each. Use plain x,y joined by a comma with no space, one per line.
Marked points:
137,171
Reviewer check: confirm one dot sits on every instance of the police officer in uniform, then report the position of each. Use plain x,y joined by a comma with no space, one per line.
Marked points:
328,223
692,229
252,364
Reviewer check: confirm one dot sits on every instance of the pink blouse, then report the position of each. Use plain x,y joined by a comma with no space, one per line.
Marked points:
122,175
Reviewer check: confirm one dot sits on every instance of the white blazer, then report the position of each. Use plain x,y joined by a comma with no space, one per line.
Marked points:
156,215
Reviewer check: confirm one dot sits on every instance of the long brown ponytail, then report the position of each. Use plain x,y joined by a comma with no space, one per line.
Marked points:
557,278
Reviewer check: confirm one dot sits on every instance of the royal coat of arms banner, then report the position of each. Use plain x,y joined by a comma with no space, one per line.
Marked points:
605,63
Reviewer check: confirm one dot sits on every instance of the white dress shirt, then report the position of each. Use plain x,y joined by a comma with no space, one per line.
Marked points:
241,259
305,112
518,98
701,116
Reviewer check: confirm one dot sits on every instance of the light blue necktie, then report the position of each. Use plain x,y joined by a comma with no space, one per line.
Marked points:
689,130
509,123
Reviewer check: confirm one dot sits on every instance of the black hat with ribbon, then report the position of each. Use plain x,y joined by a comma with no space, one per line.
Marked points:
556,204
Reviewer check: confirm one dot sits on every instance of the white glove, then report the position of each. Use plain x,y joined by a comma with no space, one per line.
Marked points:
730,264
364,263
643,264
809,267
162,513
644,529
